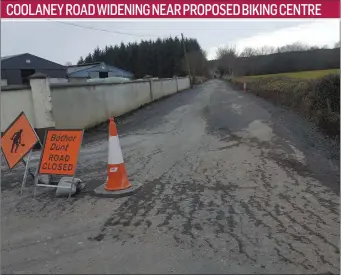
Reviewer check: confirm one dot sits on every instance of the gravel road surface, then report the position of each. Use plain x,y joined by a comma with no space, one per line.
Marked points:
230,184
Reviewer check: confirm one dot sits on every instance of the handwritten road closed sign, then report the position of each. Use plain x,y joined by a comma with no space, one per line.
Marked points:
18,140
60,153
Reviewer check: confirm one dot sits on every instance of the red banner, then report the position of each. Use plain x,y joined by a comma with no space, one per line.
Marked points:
170,9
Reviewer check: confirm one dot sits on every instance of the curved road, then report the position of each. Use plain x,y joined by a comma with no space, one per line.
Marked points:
231,184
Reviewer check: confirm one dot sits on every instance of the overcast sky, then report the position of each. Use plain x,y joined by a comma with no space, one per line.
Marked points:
60,42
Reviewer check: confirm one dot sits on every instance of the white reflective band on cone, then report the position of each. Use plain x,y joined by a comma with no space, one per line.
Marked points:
115,153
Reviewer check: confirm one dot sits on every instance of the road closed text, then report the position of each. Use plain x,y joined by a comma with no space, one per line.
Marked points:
61,152
58,162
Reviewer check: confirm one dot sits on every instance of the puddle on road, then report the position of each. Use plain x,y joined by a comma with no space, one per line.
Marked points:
260,130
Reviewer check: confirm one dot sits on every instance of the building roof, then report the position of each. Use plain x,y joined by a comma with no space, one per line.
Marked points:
11,56
12,61
86,64
76,68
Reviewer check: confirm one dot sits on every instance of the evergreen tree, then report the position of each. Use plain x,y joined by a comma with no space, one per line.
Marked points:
161,58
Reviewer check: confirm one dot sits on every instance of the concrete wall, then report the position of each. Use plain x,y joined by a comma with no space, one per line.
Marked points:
80,105
77,80
34,100
13,102
90,104
183,83
164,87
58,80
126,97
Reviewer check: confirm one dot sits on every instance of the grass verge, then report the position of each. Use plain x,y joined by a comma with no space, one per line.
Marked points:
297,75
318,99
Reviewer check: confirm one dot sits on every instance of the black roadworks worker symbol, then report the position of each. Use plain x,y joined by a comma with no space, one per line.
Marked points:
16,138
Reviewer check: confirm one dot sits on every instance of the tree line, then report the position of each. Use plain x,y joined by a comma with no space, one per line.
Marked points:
270,60
165,58
160,58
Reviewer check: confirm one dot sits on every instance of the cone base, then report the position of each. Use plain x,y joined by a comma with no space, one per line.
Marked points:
118,188
102,192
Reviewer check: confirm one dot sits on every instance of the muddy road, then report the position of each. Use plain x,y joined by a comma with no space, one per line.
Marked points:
231,184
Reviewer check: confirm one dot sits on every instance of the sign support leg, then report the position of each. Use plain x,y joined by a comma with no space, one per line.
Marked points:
26,170
70,192
36,181
36,174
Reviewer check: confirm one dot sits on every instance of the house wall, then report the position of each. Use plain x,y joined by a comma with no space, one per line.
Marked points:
81,105
3,82
13,76
29,61
111,74
94,74
11,68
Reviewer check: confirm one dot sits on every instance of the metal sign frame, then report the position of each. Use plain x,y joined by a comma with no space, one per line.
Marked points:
36,181
26,170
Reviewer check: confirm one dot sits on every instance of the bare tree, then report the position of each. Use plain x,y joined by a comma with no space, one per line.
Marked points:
263,50
197,63
314,48
68,63
227,59
294,47
248,51
292,57
266,50
204,53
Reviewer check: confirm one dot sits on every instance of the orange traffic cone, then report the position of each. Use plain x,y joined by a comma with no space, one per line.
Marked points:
117,175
